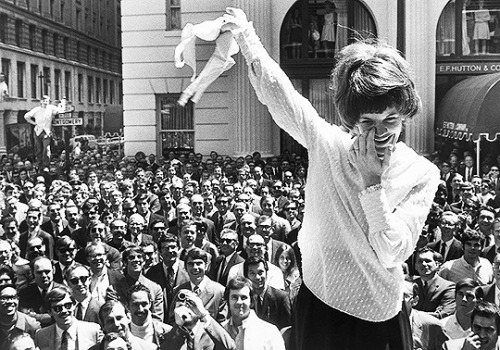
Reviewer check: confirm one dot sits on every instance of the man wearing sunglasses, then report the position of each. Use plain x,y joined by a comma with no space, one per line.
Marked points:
66,252
228,258
67,332
78,279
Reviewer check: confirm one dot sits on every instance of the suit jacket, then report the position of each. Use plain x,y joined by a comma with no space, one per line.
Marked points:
212,297
276,308
439,299
461,171
92,312
456,249
145,238
219,222
427,331
47,240
24,324
488,293
207,336
30,299
281,227
58,273
88,334
113,255
214,271
47,227
152,218
489,253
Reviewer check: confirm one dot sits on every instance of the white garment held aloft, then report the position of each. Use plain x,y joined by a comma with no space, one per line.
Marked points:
221,60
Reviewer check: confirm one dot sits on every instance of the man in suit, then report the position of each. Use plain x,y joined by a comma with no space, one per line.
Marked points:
13,322
66,251
281,227
427,332
115,318
194,327
133,259
228,258
170,272
118,230
56,225
143,325
78,279
101,276
270,304
485,328
448,246
469,170
31,297
210,292
67,332
485,218
266,230
197,214
222,216
143,208
491,252
436,296
136,235
33,219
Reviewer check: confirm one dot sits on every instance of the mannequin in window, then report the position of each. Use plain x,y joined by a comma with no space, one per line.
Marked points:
295,38
329,33
481,28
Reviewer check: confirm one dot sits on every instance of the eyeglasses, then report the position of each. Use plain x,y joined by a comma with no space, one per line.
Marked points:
118,227
8,298
97,230
255,245
66,250
35,247
92,212
227,240
59,308
149,253
158,228
82,279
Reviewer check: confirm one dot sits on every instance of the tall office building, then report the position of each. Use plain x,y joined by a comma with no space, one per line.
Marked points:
64,49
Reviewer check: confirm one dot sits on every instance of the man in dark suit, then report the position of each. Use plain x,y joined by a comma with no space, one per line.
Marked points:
448,246
469,170
266,230
197,214
31,297
211,293
195,326
228,258
436,296
270,304
143,208
56,225
86,308
169,273
135,234
33,219
222,216
491,252
83,335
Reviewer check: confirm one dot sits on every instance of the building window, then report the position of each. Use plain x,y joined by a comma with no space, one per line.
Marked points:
4,25
21,73
175,124
62,10
111,92
32,36
173,14
80,87
78,19
57,84
6,70
105,91
55,44
45,34
469,28
67,85
65,47
78,51
19,32
34,80
90,89
97,90
46,81
89,54
51,9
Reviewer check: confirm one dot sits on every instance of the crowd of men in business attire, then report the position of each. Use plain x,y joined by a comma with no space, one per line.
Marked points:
184,252
175,253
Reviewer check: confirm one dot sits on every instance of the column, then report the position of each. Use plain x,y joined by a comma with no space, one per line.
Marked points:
253,123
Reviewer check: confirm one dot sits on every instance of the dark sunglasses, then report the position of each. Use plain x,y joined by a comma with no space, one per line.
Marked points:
35,247
226,240
82,279
59,308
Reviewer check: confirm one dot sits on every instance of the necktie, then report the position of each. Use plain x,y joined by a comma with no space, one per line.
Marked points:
221,269
170,277
79,312
64,340
443,250
258,304
197,290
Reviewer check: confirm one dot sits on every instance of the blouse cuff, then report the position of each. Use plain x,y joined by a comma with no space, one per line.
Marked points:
249,43
374,203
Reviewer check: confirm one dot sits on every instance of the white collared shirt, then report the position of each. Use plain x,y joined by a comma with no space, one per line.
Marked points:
202,285
72,336
99,284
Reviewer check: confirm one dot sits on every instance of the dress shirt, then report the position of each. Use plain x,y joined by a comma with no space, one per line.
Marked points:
447,249
84,305
457,269
72,337
99,284
452,328
202,286
175,267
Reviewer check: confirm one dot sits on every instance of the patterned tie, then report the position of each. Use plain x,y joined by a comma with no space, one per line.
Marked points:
443,250
197,290
65,340
79,312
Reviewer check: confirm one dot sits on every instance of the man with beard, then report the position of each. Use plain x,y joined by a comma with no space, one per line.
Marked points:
31,298
491,252
194,327
471,265
484,326
115,318
73,217
78,279
143,325
435,294
13,322
458,325
118,230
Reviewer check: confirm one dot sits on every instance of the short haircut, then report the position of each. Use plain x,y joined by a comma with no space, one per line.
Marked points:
197,253
7,220
254,260
142,197
37,259
57,294
267,197
106,309
466,283
90,248
435,255
168,238
138,287
369,78
149,243
7,270
72,268
132,249
17,338
472,235
237,283
109,337
64,241
228,231
489,310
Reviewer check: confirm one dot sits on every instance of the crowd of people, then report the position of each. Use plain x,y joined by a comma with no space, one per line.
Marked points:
150,252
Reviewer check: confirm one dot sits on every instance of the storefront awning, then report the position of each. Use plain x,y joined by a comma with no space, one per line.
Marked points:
471,109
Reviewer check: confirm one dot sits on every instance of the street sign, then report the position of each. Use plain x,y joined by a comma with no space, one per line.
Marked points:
67,121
